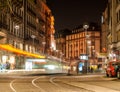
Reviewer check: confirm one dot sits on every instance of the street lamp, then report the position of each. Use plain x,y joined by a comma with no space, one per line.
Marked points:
56,53
33,37
17,28
61,56
43,47
86,26
69,67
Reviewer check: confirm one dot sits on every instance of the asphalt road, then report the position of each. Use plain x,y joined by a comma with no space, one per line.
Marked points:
58,83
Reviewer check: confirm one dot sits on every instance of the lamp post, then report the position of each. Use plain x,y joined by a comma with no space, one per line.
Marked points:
43,47
56,53
61,56
86,26
17,28
69,66
33,37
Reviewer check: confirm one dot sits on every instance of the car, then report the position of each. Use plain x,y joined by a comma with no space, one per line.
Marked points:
113,69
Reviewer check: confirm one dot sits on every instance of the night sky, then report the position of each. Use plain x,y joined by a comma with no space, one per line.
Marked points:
71,13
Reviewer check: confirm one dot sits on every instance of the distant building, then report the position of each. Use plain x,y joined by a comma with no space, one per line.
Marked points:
60,38
76,42
73,43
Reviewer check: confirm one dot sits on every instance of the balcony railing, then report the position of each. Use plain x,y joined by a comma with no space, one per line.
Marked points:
3,25
31,25
31,11
16,17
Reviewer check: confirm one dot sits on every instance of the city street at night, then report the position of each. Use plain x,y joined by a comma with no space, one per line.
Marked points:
59,45
58,83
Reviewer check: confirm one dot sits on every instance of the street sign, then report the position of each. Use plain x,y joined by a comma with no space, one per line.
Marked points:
84,56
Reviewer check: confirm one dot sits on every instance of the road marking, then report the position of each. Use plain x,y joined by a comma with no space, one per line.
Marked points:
33,82
11,86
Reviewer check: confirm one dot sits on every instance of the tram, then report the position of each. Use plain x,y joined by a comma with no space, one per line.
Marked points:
47,65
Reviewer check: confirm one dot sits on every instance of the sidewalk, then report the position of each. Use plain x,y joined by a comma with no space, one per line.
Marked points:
21,72
91,88
89,73
42,71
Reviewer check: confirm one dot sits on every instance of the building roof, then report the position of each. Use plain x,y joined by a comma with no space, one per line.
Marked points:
62,33
92,27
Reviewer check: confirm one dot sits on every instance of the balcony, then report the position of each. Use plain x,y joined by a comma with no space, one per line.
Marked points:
41,33
16,17
18,3
3,25
31,25
31,11
29,40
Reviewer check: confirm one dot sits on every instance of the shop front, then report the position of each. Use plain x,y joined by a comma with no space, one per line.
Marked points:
13,58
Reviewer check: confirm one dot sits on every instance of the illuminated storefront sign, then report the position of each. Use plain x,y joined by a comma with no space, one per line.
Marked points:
83,56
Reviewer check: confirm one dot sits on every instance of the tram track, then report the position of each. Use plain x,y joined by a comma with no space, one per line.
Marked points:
53,83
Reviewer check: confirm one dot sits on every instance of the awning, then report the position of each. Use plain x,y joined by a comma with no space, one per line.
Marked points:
18,51
102,55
